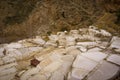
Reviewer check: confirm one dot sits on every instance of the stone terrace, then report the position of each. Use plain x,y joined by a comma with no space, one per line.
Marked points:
84,54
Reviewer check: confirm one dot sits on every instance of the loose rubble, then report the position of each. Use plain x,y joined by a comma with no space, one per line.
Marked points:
84,54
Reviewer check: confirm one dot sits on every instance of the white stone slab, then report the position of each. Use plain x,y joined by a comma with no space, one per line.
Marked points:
105,33
14,45
94,49
78,74
62,42
1,61
24,50
84,63
50,43
68,58
8,77
38,77
57,75
114,58
74,52
16,54
117,50
53,66
55,56
69,49
65,68
1,52
70,41
66,65
81,48
8,59
60,51
96,56
105,72
12,56
115,42
4,67
61,33
74,32
39,41
53,37
8,71
35,48
87,44
29,73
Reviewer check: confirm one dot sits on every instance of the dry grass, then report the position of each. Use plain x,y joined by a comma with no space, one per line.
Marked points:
107,22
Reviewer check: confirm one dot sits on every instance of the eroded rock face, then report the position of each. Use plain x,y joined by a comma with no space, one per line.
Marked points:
74,57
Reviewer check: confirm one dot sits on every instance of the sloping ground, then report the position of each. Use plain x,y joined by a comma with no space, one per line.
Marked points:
21,19
74,55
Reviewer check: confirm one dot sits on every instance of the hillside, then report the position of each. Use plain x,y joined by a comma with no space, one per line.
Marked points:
21,19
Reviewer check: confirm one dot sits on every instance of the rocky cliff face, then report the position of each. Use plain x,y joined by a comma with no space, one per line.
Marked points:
20,19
